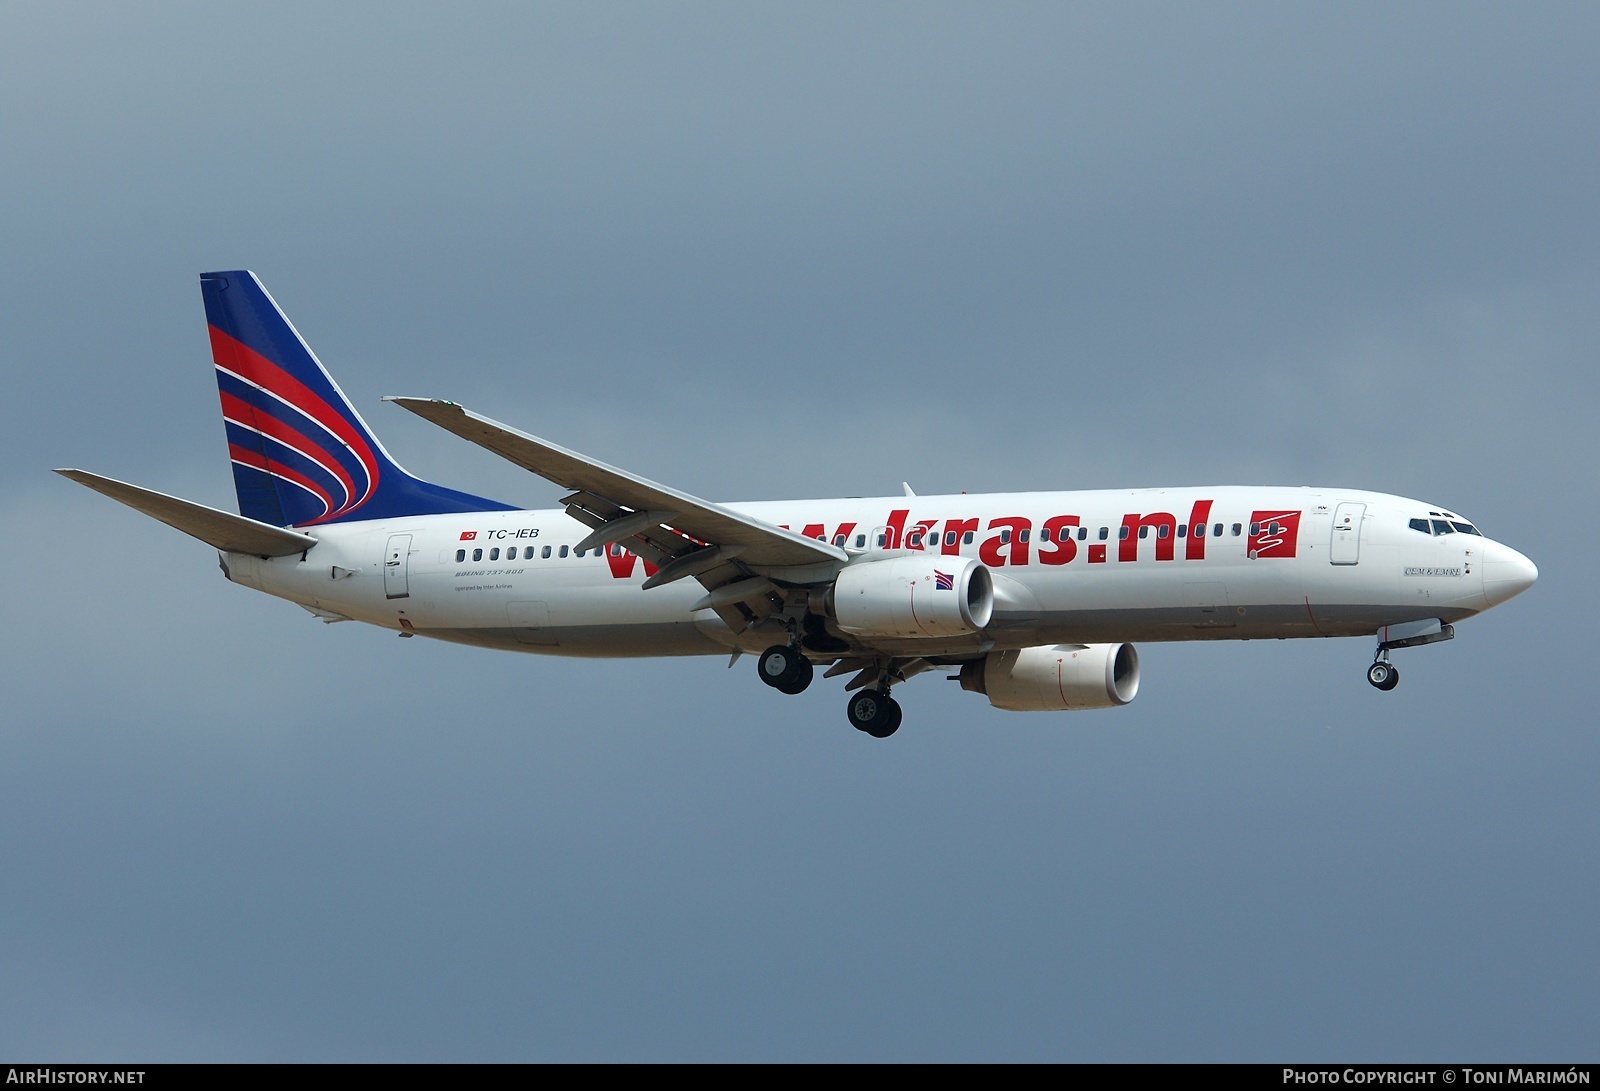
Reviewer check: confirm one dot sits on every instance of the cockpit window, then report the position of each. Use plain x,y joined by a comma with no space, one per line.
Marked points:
1444,526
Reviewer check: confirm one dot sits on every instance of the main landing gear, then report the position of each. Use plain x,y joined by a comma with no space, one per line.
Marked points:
875,712
784,669
1383,674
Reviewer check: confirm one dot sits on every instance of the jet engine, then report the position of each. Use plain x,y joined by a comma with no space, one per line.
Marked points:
1067,676
916,596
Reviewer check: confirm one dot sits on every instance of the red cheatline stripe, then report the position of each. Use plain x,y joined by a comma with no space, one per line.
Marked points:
248,416
258,461
250,365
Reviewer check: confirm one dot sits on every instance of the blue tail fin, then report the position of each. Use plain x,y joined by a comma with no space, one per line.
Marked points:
301,453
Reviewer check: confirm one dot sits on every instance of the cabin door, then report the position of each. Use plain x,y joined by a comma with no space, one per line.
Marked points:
1345,548
396,567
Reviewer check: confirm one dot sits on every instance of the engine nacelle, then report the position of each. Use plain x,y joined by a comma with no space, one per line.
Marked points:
1067,676
912,596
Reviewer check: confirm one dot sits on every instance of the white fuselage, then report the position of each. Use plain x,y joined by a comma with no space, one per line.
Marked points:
1069,567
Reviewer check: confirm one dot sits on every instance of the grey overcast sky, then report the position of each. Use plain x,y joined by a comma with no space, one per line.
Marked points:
761,251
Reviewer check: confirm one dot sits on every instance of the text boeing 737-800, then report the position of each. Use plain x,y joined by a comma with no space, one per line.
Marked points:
1032,598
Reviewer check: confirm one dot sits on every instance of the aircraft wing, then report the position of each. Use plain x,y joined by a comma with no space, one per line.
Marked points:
220,529
672,525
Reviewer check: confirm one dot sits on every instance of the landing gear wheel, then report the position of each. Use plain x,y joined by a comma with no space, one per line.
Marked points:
1383,676
874,712
784,669
800,680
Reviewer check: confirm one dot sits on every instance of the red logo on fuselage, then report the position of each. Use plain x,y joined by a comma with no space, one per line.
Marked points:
1274,533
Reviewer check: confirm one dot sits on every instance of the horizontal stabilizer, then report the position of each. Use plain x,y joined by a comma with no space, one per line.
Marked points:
222,530
762,543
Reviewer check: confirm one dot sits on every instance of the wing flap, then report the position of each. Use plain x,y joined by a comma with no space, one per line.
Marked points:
219,529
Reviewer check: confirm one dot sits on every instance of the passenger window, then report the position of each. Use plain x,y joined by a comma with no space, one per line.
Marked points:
1104,531
966,539
616,549
1083,532
881,540
914,541
477,554
1183,529
1273,528
1161,532
1122,533
1216,531
1255,528
949,538
1022,536
461,555
494,554
1064,535
861,540
563,551
527,554
1005,536
838,539
1199,530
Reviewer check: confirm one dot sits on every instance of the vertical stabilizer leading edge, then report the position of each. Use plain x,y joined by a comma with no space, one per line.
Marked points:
301,453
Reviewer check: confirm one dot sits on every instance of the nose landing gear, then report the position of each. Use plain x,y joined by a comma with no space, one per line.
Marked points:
1411,634
1383,674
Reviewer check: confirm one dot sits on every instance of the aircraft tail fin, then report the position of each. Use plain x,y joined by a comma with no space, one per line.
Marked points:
301,453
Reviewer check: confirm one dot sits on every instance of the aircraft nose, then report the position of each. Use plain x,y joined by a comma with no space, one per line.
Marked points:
1506,573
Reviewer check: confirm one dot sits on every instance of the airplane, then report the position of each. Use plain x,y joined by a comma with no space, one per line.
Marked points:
1033,600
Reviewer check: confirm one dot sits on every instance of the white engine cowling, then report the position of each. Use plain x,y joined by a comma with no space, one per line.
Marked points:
917,595
1067,676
